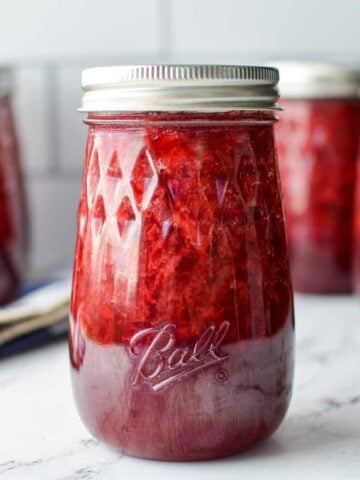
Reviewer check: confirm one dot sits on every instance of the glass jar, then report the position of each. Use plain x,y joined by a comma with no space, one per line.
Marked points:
13,214
181,325
317,138
356,246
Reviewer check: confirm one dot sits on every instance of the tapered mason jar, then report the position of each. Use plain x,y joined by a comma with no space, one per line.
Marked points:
13,207
181,326
318,137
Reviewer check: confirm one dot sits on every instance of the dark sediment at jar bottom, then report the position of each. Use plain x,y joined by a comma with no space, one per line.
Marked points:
221,410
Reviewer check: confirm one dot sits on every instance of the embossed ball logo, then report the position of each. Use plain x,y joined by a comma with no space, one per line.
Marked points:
160,362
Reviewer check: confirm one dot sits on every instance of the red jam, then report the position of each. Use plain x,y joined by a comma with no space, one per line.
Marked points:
12,207
356,246
181,328
317,144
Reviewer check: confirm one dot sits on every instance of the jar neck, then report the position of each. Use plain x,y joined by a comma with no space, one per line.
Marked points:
246,117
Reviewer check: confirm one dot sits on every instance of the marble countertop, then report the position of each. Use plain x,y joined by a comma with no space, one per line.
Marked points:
42,437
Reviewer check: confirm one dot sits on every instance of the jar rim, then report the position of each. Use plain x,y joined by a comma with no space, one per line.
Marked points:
181,119
203,88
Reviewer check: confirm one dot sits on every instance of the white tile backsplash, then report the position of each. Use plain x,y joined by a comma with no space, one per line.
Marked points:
233,28
68,28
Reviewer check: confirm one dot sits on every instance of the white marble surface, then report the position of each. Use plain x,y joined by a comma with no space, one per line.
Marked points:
42,438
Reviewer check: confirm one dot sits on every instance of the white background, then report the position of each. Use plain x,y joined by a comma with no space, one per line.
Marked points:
50,41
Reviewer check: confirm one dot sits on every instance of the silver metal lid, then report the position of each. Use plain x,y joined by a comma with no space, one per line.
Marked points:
214,88
6,80
318,80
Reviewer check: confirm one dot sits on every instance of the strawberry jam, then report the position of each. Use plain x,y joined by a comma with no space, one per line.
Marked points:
181,324
356,231
181,316
317,145
13,243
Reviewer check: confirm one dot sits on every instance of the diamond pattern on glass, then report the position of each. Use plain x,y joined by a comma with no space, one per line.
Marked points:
114,169
111,177
221,187
98,215
120,184
125,216
82,218
143,179
93,176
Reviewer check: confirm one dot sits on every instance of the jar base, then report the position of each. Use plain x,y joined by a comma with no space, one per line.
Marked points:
199,417
201,457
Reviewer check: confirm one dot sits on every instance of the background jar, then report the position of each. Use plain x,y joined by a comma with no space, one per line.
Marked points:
317,138
181,325
356,245
13,210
